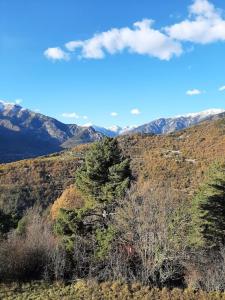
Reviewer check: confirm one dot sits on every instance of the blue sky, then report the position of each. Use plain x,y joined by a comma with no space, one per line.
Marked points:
139,71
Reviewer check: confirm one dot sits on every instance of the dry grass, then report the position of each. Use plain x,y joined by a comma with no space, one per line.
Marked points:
89,290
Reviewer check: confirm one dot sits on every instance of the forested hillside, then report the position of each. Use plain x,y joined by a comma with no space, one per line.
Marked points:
178,160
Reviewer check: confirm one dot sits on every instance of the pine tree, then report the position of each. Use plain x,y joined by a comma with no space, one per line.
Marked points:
208,211
103,178
105,174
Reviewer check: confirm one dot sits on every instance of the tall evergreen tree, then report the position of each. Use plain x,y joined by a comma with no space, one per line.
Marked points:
208,210
105,174
103,178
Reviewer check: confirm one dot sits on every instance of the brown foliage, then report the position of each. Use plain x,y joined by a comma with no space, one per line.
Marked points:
70,199
92,290
37,181
32,255
144,223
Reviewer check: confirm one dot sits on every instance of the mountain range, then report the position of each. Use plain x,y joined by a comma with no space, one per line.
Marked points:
26,134
164,125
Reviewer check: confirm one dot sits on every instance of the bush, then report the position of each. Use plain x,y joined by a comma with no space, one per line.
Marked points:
32,254
153,248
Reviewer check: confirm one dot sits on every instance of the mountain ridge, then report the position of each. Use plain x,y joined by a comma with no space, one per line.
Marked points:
27,134
172,124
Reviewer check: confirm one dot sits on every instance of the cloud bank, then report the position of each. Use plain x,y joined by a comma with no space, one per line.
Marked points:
203,25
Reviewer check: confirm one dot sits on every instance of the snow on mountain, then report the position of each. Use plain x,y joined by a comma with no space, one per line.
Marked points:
204,113
168,125
6,107
25,133
114,130
162,125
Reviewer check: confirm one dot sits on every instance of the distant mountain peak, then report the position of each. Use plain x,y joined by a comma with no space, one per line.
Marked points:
168,125
8,106
204,113
25,133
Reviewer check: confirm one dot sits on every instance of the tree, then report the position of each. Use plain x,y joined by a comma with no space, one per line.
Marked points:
102,180
208,210
105,174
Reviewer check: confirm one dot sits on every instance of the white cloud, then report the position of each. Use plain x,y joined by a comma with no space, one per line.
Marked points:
204,25
18,101
71,115
56,53
194,92
222,88
141,39
114,114
135,111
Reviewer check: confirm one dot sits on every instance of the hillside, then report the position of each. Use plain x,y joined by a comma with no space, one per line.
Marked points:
179,159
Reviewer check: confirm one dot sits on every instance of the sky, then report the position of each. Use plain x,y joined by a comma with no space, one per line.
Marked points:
113,62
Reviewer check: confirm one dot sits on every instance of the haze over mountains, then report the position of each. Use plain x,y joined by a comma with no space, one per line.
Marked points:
25,134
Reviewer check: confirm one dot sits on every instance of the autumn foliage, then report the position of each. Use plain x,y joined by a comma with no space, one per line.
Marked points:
71,198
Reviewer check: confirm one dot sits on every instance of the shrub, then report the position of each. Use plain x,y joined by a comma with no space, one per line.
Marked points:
154,254
30,255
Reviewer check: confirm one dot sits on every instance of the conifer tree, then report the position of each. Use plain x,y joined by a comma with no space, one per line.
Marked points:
103,178
105,174
208,211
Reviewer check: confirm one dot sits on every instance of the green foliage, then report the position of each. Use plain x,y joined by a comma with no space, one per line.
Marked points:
104,239
105,174
103,178
208,210
67,225
21,226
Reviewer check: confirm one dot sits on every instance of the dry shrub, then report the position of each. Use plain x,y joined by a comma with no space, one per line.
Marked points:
33,254
206,271
151,226
70,199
